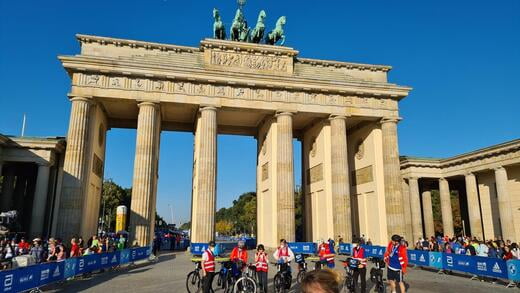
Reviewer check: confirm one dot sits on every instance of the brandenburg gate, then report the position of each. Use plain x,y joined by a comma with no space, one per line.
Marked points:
345,115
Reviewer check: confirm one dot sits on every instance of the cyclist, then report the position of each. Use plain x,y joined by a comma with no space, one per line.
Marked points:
325,254
239,256
283,254
358,253
261,267
208,267
397,260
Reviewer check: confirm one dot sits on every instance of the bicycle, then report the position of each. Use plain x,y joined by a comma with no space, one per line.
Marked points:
247,282
349,265
283,278
224,278
376,275
302,268
194,279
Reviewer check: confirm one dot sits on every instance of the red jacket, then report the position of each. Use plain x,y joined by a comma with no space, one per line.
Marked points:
401,252
239,254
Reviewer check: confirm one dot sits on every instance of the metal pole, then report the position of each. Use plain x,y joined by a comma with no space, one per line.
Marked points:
23,125
171,212
463,229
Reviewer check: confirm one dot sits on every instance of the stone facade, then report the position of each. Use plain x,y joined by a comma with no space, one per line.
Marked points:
344,113
486,181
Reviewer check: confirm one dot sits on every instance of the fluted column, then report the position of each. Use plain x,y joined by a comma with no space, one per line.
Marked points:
447,212
285,180
475,220
204,178
142,208
392,178
415,204
407,211
429,226
340,180
40,200
507,221
75,169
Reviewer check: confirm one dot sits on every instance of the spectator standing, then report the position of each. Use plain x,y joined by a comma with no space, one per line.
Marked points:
37,251
75,251
482,249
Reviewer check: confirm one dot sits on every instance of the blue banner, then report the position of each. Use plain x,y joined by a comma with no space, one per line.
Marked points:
303,247
513,269
374,251
70,267
198,248
491,267
418,257
459,262
139,253
345,248
51,272
91,263
435,260
7,281
124,256
26,278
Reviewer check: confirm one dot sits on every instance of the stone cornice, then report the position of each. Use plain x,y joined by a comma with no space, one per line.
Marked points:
137,69
47,143
134,44
348,65
247,47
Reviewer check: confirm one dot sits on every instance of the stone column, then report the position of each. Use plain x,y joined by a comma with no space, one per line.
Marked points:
447,212
392,178
40,200
407,211
429,226
415,205
7,189
285,180
507,221
204,177
475,220
340,180
75,169
142,208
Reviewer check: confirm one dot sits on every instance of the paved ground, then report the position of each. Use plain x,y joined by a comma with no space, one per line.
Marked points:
169,273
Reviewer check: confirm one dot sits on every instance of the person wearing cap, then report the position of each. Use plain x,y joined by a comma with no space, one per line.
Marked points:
208,267
37,250
397,260
358,253
239,257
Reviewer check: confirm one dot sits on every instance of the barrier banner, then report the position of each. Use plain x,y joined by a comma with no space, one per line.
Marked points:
124,256
459,262
303,247
491,267
418,257
91,262
435,260
139,253
51,272
513,269
114,258
345,248
374,251
7,281
25,278
198,248
70,267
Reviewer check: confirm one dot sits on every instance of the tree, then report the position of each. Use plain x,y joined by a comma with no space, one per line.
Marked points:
224,227
455,210
298,213
113,195
185,226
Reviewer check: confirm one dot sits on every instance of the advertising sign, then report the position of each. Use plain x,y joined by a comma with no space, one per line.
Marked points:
418,257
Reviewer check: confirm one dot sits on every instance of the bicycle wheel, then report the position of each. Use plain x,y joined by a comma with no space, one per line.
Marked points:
227,282
278,283
244,285
300,276
193,282
381,287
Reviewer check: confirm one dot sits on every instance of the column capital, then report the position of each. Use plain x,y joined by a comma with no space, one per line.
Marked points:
499,168
88,99
443,179
148,103
338,116
284,113
207,108
468,174
391,119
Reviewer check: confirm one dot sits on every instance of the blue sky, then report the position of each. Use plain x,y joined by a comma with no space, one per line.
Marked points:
461,57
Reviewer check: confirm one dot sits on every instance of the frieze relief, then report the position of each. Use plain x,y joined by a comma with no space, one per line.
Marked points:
232,92
262,63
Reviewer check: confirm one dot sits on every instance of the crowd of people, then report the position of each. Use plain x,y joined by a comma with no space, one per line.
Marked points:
54,249
496,248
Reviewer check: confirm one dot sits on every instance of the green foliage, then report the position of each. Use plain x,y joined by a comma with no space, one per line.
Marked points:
298,212
185,226
242,214
437,214
113,195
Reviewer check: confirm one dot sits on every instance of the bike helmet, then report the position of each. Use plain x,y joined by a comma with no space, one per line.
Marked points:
396,238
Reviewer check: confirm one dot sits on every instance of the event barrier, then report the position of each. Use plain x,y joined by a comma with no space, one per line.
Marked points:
26,278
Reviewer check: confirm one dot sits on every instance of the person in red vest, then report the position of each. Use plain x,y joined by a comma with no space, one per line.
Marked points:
397,260
261,261
208,267
239,257
326,256
358,253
